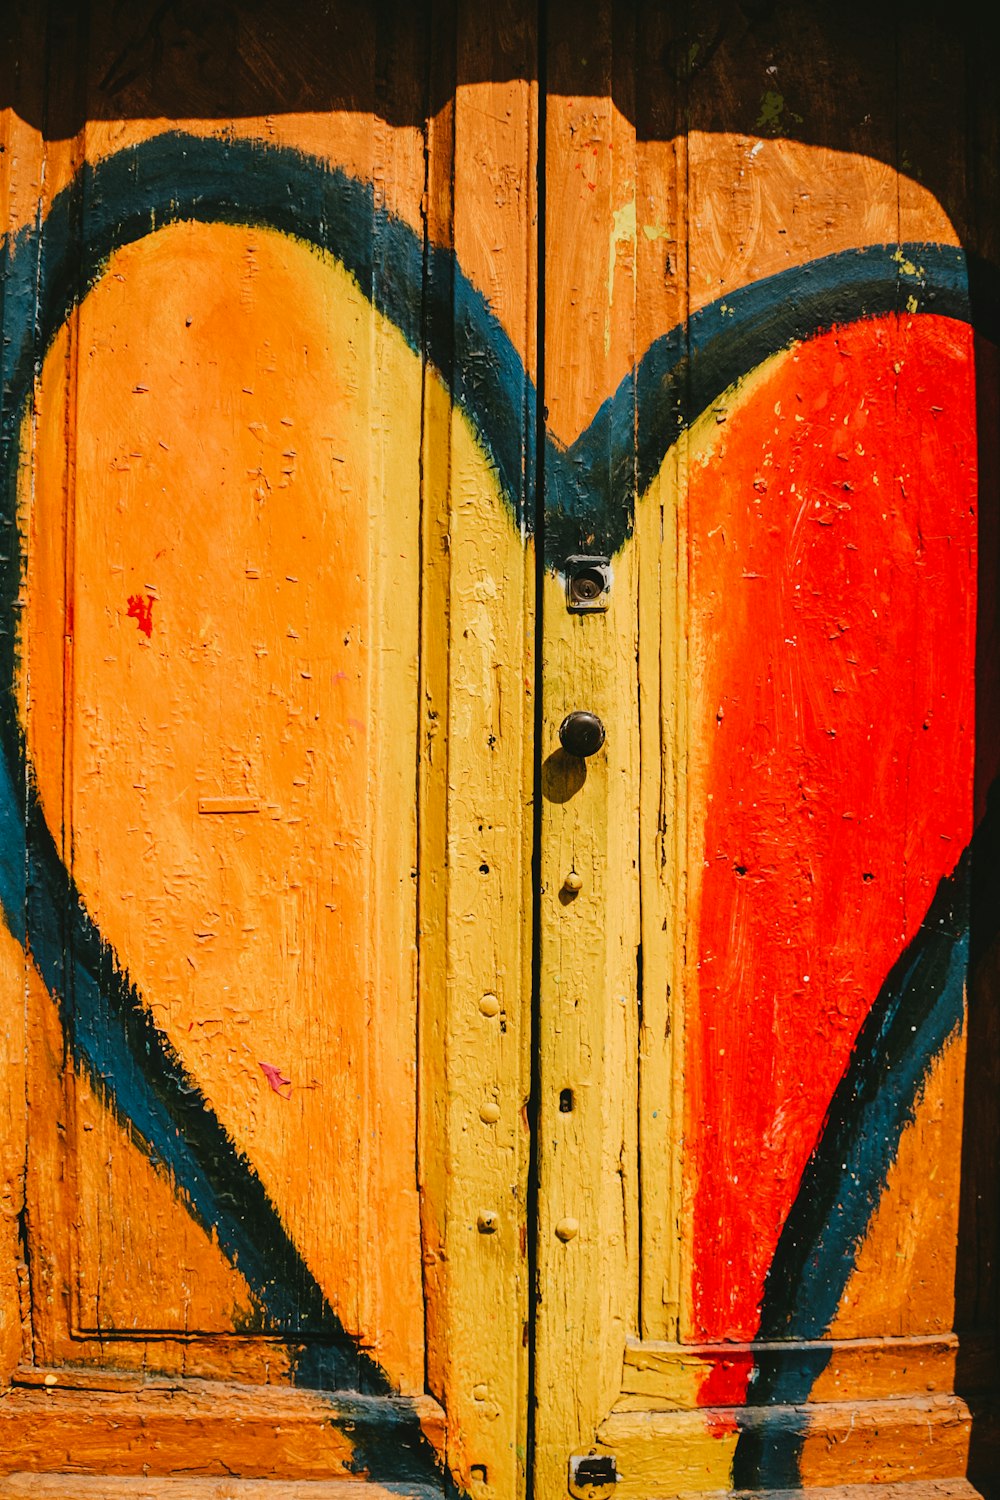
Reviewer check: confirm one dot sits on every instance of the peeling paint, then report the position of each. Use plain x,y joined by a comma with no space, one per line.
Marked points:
623,230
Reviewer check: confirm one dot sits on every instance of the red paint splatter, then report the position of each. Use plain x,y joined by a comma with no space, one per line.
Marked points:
140,609
833,642
276,1079
727,1381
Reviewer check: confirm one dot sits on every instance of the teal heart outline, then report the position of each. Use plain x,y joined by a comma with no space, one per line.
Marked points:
47,268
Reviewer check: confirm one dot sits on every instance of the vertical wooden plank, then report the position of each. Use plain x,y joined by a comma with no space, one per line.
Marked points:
476,825
50,528
660,539
951,150
588,1001
392,1295
432,952
913,1259
760,201
13,1115
23,41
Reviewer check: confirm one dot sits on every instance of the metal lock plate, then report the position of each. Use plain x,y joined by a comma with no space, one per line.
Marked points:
591,1475
588,584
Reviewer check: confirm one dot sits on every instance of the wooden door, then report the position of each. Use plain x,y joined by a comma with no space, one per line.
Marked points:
268,622
767,1039
391,1095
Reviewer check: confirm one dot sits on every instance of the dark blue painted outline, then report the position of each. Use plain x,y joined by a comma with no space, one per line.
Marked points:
591,486
47,268
919,1007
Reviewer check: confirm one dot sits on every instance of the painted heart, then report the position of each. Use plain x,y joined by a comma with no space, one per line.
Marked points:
820,499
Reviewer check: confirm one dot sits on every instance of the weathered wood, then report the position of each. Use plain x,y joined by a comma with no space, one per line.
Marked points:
588,1226
212,1428
79,1487
22,169
668,1375
309,767
287,480
919,1489
853,1443
476,751
368,908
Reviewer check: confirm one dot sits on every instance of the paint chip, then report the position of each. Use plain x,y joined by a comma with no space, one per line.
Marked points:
141,611
276,1079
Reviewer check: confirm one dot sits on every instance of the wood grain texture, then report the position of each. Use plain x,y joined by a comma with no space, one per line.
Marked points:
242,601
904,1277
661,1376
700,214
853,1443
587,1037
918,1489
251,562
212,1428
275,362
79,1487
21,176
476,705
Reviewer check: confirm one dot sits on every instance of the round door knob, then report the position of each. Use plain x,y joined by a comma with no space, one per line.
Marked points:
581,733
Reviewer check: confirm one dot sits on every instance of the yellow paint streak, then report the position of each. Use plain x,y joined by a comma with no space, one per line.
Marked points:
475,953
905,265
588,1031
476,827
661,552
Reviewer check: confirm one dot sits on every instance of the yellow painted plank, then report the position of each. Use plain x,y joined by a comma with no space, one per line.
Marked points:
476,766
588,1220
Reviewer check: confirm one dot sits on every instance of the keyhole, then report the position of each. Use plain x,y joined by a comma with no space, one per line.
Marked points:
587,586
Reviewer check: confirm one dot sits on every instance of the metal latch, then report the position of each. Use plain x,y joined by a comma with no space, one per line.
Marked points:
588,584
590,1473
